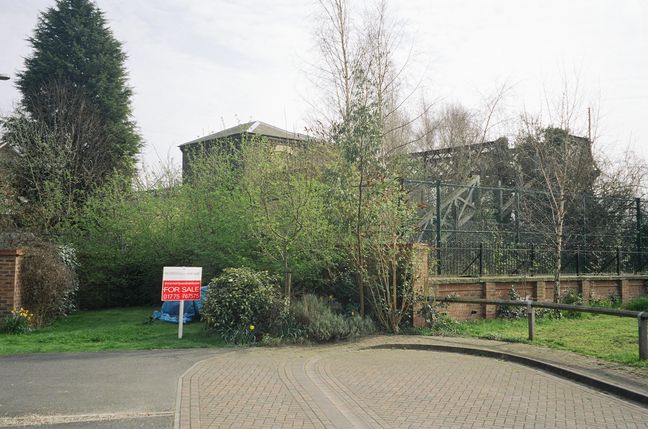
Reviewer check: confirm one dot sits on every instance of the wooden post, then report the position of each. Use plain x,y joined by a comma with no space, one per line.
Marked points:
643,337
531,320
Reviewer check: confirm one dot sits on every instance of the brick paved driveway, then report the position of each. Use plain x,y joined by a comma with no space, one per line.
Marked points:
349,386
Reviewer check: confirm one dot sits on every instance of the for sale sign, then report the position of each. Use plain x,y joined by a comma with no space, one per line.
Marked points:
181,283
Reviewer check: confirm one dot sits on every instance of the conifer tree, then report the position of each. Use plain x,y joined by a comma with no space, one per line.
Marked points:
75,48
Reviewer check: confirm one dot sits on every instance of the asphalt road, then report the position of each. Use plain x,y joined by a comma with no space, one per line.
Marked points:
98,390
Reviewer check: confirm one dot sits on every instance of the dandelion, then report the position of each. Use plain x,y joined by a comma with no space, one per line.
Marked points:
251,327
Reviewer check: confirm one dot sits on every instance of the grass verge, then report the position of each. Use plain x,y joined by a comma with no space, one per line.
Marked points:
103,330
606,337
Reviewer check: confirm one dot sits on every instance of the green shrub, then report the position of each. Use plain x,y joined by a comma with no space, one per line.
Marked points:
431,310
511,312
601,302
572,297
244,305
514,312
444,325
638,304
315,320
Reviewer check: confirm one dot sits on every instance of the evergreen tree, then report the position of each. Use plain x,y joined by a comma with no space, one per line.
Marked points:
74,47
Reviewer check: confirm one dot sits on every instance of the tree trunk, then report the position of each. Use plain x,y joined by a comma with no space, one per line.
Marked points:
287,279
557,269
558,249
360,258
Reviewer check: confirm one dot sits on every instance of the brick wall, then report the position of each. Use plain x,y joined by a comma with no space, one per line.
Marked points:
10,292
540,289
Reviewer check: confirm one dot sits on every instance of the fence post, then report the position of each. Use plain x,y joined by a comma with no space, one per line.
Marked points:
618,261
578,270
500,201
438,227
481,259
639,243
531,320
517,216
642,319
532,267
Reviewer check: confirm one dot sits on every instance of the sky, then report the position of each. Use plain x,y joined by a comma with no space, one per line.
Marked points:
197,66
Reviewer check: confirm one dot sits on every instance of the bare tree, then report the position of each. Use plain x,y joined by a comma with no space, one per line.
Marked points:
58,160
365,108
556,166
454,139
626,177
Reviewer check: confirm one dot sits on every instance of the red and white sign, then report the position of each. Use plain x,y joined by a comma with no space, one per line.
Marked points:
181,283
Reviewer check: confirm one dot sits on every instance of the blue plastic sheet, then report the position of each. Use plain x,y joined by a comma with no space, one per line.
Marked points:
170,309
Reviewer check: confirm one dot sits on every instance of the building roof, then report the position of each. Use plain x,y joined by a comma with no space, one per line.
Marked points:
255,127
502,142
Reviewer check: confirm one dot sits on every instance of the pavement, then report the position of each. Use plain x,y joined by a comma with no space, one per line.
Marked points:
378,382
405,382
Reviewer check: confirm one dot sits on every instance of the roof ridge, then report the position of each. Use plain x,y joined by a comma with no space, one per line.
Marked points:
253,126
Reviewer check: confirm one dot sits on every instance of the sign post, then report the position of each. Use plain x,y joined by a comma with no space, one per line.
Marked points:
180,284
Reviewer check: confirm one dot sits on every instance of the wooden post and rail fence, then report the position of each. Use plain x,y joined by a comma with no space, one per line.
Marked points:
641,316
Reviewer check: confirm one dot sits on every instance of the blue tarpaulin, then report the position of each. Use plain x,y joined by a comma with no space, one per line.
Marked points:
170,309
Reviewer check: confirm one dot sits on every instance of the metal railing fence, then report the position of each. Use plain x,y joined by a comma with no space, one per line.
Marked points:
494,259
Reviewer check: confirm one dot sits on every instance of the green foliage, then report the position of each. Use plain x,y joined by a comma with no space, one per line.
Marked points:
72,44
49,282
611,302
572,297
244,304
373,215
287,209
124,236
638,304
317,322
431,310
73,129
443,325
514,312
18,322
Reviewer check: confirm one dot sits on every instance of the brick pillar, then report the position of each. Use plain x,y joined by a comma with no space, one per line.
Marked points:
624,290
539,291
489,291
420,265
585,289
10,293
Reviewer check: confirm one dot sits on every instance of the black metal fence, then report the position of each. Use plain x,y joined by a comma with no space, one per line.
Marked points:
484,259
480,230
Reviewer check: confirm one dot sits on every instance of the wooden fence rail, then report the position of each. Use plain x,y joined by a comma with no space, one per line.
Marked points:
641,316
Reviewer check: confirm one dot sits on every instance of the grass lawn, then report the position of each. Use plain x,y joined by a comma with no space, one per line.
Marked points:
115,329
606,337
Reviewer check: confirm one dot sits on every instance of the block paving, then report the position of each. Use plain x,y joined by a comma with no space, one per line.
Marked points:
350,386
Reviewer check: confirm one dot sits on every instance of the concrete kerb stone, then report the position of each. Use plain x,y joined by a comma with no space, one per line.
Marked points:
570,374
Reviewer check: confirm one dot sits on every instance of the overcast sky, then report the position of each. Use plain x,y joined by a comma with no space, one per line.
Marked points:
199,65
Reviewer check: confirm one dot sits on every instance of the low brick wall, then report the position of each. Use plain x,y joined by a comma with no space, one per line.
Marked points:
540,289
10,292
